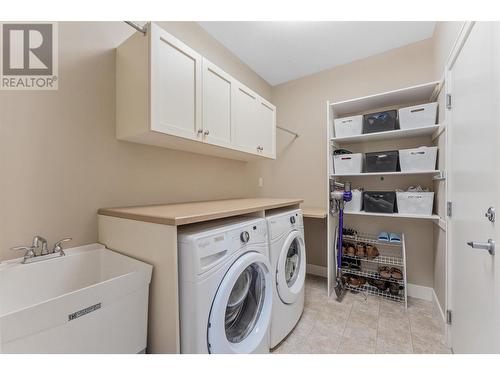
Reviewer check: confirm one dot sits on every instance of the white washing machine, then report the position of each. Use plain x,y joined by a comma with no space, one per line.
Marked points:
225,287
287,254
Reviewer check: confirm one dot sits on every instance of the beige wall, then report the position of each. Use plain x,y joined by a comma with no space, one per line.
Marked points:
300,168
444,38
60,161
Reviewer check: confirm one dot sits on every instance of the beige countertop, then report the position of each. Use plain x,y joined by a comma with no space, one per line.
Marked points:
314,212
194,212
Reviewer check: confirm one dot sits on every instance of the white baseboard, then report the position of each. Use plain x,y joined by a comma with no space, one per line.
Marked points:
437,306
419,291
313,269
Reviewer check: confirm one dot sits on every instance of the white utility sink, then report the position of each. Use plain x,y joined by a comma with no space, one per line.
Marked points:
92,300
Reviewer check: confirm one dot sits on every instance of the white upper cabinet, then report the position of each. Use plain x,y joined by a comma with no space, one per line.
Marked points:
245,118
218,95
254,123
169,95
266,128
175,86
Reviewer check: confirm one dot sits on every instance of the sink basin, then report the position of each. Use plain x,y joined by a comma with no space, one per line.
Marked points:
92,300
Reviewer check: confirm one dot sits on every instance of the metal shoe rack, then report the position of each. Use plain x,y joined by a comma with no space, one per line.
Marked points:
390,254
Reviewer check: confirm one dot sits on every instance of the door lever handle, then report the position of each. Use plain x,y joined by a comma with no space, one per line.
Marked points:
490,245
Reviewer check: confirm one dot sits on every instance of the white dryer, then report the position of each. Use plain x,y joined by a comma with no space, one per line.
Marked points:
225,287
287,254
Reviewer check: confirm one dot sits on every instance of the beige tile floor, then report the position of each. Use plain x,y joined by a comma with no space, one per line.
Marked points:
359,325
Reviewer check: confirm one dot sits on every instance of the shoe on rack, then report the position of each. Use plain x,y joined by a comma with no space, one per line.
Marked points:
384,272
396,273
383,237
360,250
371,252
394,238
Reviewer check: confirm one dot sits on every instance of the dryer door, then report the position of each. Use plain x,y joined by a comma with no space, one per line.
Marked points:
291,268
241,310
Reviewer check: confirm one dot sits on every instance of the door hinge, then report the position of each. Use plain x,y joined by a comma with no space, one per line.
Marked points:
449,207
448,317
448,101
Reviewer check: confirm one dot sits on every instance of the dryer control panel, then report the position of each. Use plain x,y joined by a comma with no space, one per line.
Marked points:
281,224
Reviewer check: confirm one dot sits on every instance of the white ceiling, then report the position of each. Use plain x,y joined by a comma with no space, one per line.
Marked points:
282,51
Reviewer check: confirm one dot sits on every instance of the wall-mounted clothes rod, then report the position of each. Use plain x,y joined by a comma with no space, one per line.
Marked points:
141,29
288,131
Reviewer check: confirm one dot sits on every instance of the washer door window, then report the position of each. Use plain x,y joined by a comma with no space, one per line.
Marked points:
241,311
291,268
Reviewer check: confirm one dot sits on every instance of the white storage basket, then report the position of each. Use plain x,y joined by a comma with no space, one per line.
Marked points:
415,203
418,159
356,203
418,116
348,126
348,164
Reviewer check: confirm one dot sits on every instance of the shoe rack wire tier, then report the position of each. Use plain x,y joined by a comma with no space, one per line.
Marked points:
391,255
371,290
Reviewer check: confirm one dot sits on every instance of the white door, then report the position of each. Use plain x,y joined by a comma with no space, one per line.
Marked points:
246,137
175,86
474,186
291,268
241,311
266,128
218,89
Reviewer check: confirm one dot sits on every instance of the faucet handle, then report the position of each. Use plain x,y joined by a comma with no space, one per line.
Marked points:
58,245
29,251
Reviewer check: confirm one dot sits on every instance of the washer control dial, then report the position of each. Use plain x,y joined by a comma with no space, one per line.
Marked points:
244,237
292,219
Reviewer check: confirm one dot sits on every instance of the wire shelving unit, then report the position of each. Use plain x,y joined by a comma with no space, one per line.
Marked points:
392,255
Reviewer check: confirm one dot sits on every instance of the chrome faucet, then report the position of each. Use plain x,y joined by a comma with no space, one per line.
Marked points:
39,243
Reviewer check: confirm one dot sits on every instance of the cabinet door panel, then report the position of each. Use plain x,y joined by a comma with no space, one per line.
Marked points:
175,86
245,118
217,105
266,128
